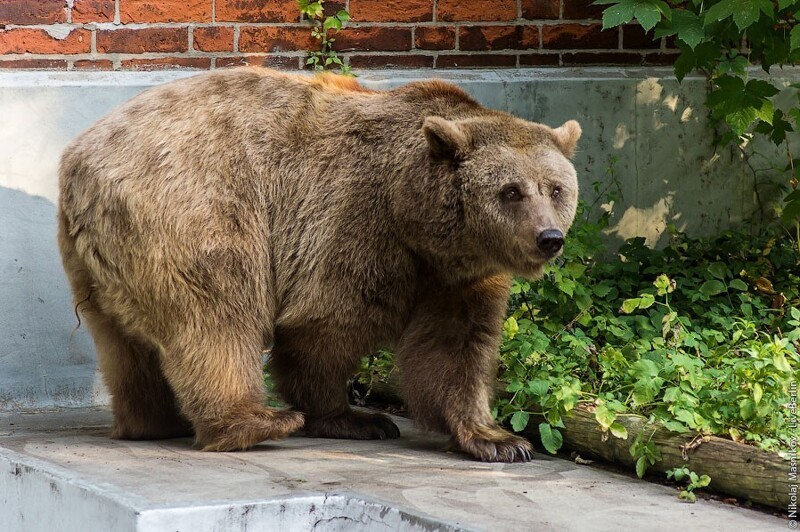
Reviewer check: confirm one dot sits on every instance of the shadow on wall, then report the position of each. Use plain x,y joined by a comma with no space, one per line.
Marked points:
44,360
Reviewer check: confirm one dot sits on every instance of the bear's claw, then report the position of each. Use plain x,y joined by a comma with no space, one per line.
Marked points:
493,444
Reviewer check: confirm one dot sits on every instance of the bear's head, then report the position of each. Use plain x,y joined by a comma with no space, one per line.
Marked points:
505,189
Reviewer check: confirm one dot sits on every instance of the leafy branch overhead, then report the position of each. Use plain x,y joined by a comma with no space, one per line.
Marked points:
723,39
323,29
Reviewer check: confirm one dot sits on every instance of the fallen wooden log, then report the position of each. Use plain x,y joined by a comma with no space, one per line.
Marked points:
736,469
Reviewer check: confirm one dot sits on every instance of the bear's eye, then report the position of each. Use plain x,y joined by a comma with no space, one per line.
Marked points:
556,193
511,193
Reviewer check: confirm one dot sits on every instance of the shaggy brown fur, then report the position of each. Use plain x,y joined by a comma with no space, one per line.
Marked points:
210,217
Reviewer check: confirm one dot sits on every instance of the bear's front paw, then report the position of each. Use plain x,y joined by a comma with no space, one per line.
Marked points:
493,444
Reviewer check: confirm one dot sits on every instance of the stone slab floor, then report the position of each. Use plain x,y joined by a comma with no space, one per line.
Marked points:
59,471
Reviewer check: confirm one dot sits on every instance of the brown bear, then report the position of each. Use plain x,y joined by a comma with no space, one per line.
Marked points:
213,216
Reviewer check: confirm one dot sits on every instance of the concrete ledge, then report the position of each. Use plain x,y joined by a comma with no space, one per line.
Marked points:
42,496
60,471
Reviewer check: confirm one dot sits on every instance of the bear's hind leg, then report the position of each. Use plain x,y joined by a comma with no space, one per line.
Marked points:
218,380
143,403
317,386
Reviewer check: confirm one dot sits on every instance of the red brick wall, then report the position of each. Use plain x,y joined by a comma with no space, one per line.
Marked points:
157,34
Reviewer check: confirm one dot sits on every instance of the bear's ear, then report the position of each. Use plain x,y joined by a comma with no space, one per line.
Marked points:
445,138
567,137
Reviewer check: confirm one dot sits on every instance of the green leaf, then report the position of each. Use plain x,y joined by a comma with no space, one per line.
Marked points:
645,390
738,284
675,426
602,289
702,482
741,119
644,369
747,407
551,438
604,416
712,287
538,387
619,14
648,15
629,305
646,301
794,39
511,327
761,88
514,386
745,13
718,270
619,430
678,473
641,467
780,363
686,25
758,392
519,421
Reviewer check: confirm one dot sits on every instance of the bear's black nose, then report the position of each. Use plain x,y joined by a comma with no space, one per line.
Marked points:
550,241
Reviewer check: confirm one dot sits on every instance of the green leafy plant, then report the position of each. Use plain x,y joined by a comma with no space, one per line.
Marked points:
323,29
723,39
701,336
645,452
693,482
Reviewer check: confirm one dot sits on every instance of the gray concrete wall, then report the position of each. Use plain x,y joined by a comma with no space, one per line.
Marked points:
666,171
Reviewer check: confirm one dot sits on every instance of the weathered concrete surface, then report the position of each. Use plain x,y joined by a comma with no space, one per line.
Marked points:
60,471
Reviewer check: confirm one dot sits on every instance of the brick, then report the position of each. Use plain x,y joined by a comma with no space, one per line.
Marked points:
435,37
136,41
661,58
93,64
391,61
332,7
476,10
538,60
498,37
36,41
601,58
32,12
285,62
38,64
133,11
213,39
272,39
541,9
282,62
478,60
92,11
167,63
257,11
569,36
391,10
374,39
634,37
583,10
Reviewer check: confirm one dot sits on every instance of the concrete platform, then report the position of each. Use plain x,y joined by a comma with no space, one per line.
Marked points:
60,471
